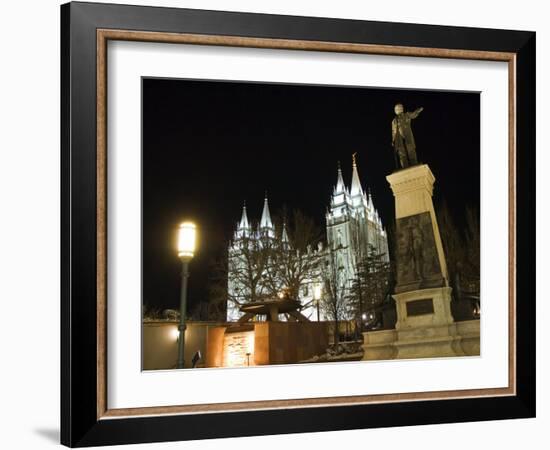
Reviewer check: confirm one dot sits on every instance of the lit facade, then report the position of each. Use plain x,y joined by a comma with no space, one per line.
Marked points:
352,226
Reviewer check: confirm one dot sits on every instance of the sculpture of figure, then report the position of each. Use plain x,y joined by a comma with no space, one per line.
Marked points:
402,136
415,251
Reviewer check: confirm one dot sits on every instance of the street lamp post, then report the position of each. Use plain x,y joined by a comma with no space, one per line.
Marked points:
317,292
186,250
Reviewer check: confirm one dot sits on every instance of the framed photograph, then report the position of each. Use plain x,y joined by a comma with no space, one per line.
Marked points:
276,224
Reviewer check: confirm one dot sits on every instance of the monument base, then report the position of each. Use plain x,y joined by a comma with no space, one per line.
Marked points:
424,329
423,308
429,342
379,345
459,339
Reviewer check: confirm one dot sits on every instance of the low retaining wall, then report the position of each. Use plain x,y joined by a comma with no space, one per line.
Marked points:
384,345
232,344
273,343
160,343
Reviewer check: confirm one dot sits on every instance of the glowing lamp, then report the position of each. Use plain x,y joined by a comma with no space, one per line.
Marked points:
174,333
187,235
317,290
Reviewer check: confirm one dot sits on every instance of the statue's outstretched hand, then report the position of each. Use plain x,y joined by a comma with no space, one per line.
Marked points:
416,112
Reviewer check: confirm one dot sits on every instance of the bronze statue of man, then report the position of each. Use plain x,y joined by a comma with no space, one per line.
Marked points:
402,136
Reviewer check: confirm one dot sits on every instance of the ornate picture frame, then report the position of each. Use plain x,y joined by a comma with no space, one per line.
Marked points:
86,418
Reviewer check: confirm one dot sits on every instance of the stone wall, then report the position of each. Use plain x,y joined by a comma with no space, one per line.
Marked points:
289,342
388,344
238,346
273,343
160,343
227,344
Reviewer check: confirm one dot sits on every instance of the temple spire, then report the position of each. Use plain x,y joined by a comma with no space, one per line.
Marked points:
370,203
284,236
356,188
340,186
265,222
243,224
243,228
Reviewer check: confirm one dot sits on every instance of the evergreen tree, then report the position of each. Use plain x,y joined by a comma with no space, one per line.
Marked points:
369,288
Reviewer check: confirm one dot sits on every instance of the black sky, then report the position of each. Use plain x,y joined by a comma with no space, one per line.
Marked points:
208,146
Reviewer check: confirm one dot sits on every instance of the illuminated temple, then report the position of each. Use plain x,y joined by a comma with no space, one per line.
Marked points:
352,227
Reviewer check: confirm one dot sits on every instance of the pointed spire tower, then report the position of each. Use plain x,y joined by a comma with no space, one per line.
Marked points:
243,229
284,237
370,205
356,188
266,225
358,196
340,195
340,187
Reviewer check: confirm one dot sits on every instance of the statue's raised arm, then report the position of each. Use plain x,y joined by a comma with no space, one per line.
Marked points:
402,136
415,113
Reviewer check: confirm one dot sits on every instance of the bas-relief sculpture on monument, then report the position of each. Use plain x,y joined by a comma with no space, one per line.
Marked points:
416,254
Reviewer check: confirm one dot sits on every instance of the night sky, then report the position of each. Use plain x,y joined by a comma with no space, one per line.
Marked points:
208,146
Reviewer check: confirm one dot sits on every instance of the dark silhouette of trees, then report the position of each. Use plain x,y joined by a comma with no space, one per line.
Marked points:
293,261
264,266
334,292
461,244
369,289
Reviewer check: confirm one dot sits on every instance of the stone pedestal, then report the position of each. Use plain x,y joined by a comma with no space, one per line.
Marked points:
458,339
425,327
419,252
